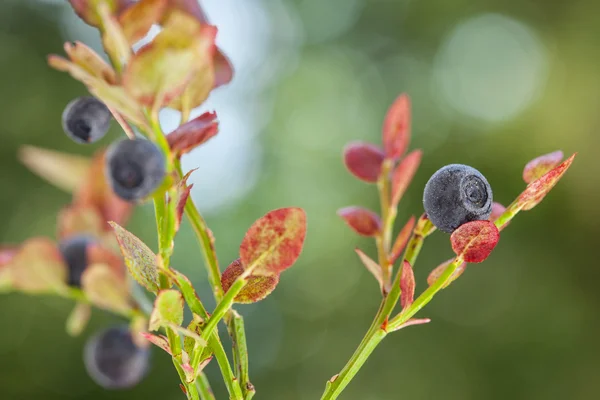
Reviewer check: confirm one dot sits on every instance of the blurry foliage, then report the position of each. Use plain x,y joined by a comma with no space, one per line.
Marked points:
523,325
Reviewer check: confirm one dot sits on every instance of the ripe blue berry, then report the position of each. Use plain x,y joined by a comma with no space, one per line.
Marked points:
113,360
74,252
134,168
86,119
457,194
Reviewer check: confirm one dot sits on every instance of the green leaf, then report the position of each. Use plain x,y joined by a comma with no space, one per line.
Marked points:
257,287
439,270
475,240
274,242
160,71
140,260
63,170
168,309
113,38
87,10
78,319
105,289
189,294
188,342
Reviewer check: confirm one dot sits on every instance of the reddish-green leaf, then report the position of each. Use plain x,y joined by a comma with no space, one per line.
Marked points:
407,285
140,260
74,220
193,133
274,242
372,267
424,226
159,341
87,9
194,326
475,240
257,288
402,239
403,175
362,221
113,38
7,254
364,160
137,19
538,189
189,293
106,289
90,61
396,128
98,253
411,322
63,170
223,71
38,267
439,270
168,309
78,319
160,71
537,167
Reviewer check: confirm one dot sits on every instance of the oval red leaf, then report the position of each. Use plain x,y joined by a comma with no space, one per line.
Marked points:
257,288
274,242
537,167
364,160
407,285
475,240
538,189
402,239
362,221
193,133
396,128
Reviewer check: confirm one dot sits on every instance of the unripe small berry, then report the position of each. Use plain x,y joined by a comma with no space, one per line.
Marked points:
134,168
113,360
86,119
74,251
457,194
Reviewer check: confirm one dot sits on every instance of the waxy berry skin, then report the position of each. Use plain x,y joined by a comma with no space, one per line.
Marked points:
457,194
74,252
134,168
114,361
86,120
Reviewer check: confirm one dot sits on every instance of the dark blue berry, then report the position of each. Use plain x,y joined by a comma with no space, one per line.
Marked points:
135,168
114,361
74,251
86,119
457,194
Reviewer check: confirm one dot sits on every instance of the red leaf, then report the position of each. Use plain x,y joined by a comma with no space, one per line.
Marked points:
540,165
183,192
158,340
402,239
411,322
407,285
193,133
274,242
439,270
475,240
396,128
364,160
403,175
362,221
257,288
538,189
73,220
372,267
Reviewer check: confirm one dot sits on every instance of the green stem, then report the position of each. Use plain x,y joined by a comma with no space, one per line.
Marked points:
204,389
240,352
233,386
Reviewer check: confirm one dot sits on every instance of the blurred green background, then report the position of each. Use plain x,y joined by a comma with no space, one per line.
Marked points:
494,84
